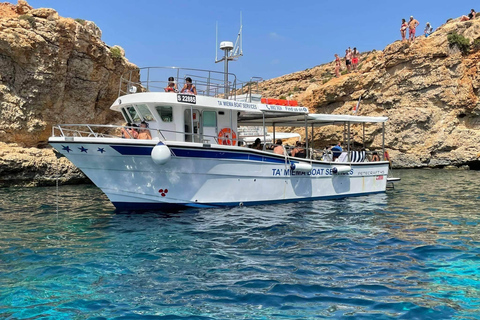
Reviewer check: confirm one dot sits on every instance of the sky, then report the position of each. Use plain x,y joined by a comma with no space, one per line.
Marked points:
279,37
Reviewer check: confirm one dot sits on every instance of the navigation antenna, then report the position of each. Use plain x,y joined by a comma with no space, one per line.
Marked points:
230,53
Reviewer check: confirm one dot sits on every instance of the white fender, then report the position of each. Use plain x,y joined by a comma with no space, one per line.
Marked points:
301,166
341,169
161,153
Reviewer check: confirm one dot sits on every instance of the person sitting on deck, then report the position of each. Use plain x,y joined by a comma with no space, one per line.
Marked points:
144,132
299,151
279,148
129,133
172,86
189,88
336,151
257,144
375,157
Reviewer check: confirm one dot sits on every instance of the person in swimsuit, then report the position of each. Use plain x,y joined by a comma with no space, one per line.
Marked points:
129,133
337,66
348,59
299,151
279,148
355,56
470,16
172,86
428,30
257,144
189,87
412,25
403,30
144,132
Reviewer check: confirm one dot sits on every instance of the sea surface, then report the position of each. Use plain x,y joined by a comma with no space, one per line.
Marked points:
412,253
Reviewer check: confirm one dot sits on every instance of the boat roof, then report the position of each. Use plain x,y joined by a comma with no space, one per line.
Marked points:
251,113
316,119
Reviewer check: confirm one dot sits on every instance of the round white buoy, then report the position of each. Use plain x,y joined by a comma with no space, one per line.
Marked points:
161,153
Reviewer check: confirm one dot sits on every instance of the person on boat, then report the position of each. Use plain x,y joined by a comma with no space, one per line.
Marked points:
299,150
403,30
412,25
355,56
470,16
279,148
337,66
428,30
189,88
336,151
129,133
257,144
172,86
375,157
144,132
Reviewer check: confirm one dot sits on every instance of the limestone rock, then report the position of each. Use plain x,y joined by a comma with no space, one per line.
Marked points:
428,89
53,70
35,167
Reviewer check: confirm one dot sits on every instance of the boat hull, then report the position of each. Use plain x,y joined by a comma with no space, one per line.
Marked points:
199,175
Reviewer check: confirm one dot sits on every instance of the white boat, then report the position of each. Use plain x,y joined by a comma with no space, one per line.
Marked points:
193,158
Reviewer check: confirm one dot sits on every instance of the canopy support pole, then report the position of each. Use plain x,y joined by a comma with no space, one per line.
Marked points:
264,132
191,118
363,137
348,142
383,141
274,141
312,135
306,137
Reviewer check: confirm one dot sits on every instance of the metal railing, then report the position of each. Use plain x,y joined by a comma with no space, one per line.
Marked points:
207,82
114,131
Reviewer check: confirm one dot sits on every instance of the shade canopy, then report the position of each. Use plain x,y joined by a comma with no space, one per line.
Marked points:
299,119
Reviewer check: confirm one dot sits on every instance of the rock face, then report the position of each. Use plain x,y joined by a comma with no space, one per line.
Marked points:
52,70
429,90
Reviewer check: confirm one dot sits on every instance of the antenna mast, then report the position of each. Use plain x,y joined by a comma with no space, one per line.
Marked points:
231,52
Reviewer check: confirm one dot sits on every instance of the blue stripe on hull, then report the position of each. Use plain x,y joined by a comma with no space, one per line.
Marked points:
196,153
213,154
133,151
169,207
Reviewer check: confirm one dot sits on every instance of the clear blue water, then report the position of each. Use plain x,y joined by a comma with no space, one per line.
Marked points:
409,254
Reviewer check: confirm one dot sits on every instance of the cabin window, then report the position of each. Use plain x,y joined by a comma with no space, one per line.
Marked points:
133,114
165,113
209,119
145,112
125,115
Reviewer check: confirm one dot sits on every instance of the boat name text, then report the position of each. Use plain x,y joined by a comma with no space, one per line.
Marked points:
241,105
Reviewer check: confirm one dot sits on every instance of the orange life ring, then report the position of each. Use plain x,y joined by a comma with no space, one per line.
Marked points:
227,137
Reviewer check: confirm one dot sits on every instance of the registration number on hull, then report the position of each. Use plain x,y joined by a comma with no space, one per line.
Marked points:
187,98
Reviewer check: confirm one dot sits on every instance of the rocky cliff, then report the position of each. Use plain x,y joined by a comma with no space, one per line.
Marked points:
52,70
429,89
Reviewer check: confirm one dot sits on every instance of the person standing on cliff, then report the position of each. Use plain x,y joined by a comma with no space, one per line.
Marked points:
403,30
348,59
412,25
337,66
355,57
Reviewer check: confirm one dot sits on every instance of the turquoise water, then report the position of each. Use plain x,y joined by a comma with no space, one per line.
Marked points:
409,254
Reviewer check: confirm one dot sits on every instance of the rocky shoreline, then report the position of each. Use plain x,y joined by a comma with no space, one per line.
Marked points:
58,70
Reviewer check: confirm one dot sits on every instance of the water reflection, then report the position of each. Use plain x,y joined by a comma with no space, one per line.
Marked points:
410,253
